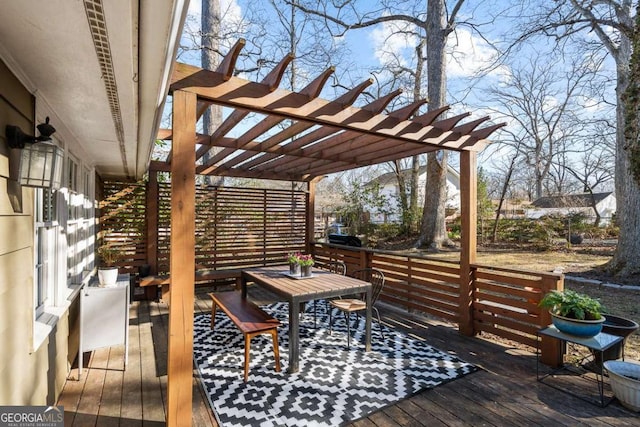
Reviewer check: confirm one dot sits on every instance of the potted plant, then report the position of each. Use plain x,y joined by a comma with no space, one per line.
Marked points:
294,263
306,262
108,272
574,313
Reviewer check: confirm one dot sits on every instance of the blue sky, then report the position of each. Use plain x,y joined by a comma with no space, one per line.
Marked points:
467,52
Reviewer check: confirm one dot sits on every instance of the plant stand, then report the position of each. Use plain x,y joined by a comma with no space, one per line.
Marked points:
597,344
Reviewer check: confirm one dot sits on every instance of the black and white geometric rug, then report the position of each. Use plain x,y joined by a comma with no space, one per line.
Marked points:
333,386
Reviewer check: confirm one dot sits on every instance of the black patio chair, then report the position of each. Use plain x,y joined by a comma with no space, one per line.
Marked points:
337,267
355,305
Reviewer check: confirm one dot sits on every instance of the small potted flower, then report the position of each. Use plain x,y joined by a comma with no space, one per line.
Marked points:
306,262
294,263
108,272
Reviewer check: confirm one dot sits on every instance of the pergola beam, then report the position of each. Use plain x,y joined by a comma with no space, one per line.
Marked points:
298,148
271,80
349,146
324,136
239,93
346,99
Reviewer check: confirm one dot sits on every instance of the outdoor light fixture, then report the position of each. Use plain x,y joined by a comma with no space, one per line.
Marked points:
40,162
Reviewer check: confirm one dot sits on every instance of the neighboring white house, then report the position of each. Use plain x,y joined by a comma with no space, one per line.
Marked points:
605,203
389,188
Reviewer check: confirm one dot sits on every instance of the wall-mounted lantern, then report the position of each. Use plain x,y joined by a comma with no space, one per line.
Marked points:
40,161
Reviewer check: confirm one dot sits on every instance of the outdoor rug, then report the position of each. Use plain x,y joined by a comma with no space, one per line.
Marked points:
333,386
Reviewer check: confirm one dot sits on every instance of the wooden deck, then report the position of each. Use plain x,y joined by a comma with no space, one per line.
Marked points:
503,393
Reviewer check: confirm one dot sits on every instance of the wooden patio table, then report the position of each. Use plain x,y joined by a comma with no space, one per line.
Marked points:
323,284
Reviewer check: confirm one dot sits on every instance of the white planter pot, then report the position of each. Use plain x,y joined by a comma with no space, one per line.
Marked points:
108,276
625,382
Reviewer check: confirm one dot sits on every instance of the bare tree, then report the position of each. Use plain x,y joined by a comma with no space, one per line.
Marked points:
575,23
594,169
433,231
560,180
433,28
212,117
544,113
506,182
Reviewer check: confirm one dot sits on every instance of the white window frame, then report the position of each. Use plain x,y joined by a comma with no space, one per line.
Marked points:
74,225
62,244
45,245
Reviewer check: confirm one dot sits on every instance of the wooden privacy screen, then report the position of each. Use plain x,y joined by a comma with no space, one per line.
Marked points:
123,223
239,227
235,227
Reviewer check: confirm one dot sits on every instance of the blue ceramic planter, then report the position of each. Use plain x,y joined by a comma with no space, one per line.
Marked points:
580,328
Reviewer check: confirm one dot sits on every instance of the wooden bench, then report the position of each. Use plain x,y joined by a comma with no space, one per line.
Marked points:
202,276
250,319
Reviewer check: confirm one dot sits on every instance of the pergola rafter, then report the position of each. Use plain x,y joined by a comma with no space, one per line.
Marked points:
324,136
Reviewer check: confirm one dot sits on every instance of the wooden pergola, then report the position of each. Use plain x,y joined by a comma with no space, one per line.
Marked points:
321,137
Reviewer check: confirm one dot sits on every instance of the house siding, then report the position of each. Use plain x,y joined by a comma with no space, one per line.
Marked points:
390,190
28,376
606,208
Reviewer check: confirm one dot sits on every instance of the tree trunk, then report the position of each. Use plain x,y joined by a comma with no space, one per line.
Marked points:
402,195
433,230
626,259
503,194
435,198
415,161
594,206
212,117
413,200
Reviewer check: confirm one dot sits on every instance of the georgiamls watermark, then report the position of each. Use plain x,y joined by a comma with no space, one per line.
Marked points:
31,416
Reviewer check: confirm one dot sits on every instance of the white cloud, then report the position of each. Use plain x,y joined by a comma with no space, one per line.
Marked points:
467,54
392,43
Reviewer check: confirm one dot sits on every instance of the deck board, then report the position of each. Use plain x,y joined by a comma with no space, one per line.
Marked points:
153,358
111,401
503,393
132,379
90,400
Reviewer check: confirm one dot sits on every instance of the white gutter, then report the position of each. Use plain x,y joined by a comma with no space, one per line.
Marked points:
148,33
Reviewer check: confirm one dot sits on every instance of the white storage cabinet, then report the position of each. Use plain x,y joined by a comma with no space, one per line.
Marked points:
104,318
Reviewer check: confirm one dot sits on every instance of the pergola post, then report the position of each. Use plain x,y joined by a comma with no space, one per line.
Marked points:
310,221
152,221
468,238
182,261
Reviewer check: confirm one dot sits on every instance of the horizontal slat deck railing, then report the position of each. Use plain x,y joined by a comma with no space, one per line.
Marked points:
327,253
505,301
420,284
416,283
